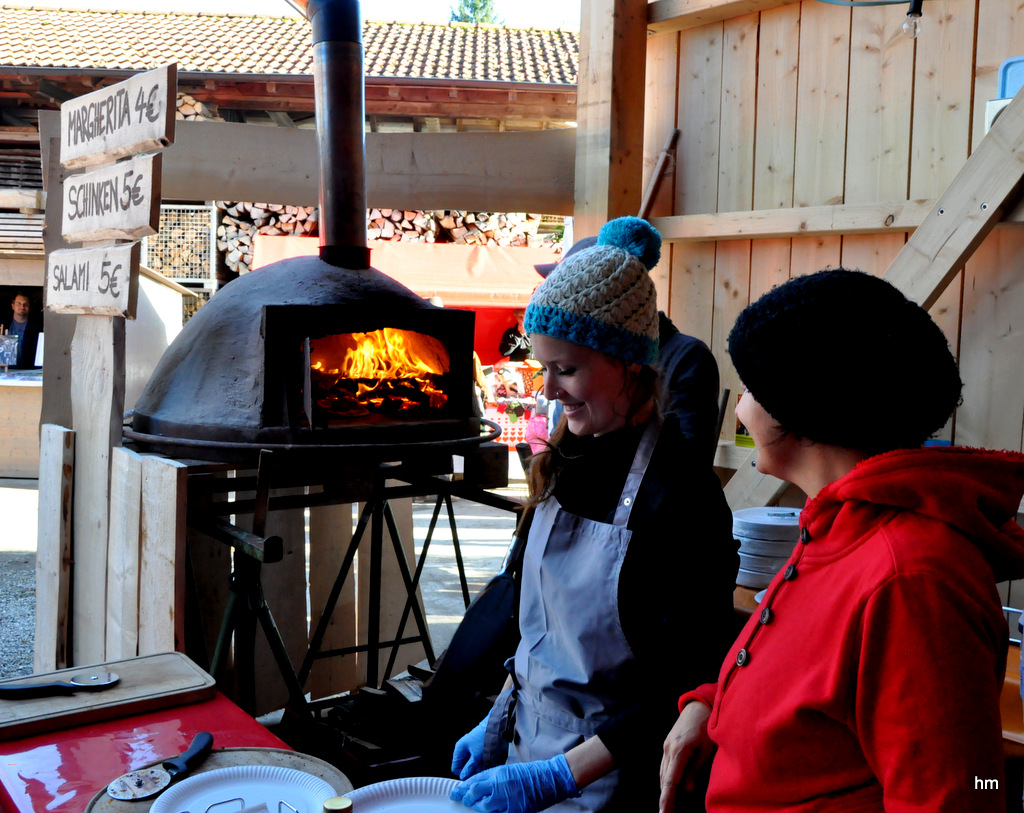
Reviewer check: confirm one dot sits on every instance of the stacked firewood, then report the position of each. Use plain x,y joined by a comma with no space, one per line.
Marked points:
493,228
402,224
191,109
242,221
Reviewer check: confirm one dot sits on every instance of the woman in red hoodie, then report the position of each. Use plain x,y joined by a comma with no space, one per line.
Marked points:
870,678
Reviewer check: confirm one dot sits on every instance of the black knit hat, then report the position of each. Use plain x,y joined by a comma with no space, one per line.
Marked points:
843,357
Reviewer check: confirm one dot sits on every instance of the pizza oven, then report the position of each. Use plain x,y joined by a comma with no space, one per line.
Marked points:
317,351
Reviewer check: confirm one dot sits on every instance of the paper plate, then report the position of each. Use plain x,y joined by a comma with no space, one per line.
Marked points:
761,564
776,523
766,547
415,794
756,581
253,784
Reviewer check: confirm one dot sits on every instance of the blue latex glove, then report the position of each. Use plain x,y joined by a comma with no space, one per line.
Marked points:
523,787
467,758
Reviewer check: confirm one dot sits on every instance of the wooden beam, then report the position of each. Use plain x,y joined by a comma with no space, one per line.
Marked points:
808,221
678,15
409,170
966,212
610,132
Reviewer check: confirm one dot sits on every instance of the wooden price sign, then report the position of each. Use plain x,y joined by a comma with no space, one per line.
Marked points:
133,116
119,201
93,280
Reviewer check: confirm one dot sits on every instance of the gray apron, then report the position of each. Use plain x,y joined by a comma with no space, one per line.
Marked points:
569,668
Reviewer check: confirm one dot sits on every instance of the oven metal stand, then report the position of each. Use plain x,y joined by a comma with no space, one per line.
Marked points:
378,507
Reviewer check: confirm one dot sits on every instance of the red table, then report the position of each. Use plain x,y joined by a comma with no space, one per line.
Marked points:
63,770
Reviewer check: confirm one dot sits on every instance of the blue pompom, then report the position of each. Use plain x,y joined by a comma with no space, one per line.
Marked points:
634,235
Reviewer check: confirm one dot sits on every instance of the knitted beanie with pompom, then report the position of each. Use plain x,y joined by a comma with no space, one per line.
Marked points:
603,296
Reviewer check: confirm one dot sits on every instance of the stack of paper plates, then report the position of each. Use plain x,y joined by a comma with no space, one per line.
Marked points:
766,537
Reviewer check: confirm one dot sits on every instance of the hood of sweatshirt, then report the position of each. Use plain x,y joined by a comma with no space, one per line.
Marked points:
975,491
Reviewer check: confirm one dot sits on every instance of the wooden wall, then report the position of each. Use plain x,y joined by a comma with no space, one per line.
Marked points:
825,134
830,112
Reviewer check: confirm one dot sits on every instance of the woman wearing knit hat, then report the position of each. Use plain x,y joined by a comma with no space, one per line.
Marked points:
630,544
870,679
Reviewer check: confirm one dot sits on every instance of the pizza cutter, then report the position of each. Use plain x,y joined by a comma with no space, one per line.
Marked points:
145,782
83,681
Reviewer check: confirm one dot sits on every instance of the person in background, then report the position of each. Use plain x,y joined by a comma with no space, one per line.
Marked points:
870,678
25,328
630,564
689,372
515,344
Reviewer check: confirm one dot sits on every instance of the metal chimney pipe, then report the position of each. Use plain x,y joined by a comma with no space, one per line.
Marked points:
340,126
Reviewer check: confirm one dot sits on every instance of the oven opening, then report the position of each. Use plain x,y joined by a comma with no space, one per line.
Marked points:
378,375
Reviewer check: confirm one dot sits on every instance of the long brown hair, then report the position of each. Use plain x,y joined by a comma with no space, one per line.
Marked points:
546,464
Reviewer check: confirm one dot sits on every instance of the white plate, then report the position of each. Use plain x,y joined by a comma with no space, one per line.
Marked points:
416,794
254,784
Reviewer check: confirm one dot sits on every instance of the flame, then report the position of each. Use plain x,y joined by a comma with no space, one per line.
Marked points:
389,368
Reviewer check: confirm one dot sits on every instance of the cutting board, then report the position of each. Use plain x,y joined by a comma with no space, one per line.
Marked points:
147,683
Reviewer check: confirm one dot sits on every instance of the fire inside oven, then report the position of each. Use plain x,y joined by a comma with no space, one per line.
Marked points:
345,367
378,375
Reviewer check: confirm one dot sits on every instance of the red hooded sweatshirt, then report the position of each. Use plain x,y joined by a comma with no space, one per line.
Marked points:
871,678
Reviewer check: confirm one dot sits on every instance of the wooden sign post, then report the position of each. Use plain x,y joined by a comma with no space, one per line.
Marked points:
112,200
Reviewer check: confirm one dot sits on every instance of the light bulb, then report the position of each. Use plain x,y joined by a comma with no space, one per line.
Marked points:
912,27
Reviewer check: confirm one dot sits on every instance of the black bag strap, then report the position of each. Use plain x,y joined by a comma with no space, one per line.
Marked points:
514,563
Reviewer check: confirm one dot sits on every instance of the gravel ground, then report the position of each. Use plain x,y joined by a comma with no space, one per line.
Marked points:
17,613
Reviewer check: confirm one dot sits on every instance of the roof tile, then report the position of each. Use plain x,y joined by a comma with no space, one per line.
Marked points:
229,43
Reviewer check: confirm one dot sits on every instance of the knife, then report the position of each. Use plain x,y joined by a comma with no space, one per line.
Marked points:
145,782
84,681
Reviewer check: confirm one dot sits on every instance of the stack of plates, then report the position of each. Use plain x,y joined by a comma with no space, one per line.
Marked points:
766,537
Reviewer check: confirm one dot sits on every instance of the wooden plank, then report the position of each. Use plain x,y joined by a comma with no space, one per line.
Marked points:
53,551
1002,34
116,202
404,170
811,254
943,85
123,563
699,106
748,488
732,294
610,111
992,345
18,271
33,199
820,154
739,92
664,16
692,288
133,116
871,254
19,428
60,328
878,124
330,532
659,117
812,221
778,59
162,555
770,261
97,403
965,213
